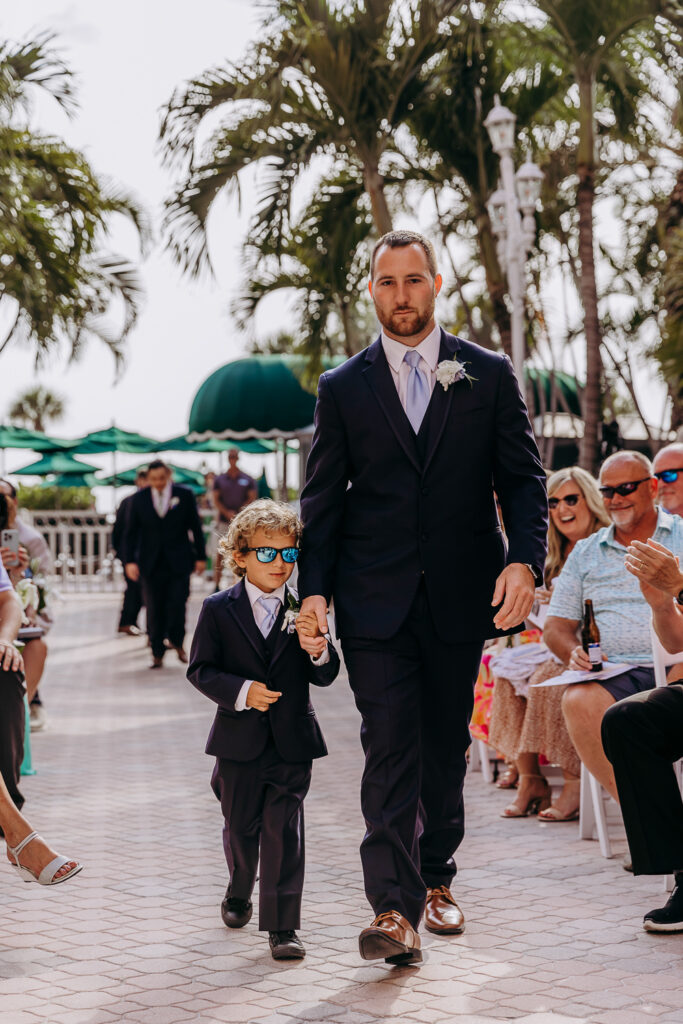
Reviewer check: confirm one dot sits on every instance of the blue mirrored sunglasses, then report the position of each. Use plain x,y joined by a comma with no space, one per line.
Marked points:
268,554
669,476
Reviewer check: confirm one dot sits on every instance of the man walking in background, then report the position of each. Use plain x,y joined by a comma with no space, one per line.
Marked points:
232,490
132,598
161,520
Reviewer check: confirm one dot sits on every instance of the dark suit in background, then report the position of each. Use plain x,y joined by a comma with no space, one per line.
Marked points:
402,530
263,759
132,597
165,548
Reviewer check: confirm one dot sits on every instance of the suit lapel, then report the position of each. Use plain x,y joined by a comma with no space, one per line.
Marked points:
280,635
240,607
439,406
378,376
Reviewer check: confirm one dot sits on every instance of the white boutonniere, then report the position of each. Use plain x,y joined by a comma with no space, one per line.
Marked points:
291,611
174,502
29,597
450,371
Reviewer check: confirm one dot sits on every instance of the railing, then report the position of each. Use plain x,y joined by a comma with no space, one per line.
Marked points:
80,545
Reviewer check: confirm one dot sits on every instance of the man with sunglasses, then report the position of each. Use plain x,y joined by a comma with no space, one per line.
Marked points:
595,569
668,469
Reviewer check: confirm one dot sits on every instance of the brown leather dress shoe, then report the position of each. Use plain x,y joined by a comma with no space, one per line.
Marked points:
443,916
180,651
392,938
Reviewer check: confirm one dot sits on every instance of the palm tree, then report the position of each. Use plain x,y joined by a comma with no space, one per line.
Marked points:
55,281
327,80
35,407
591,38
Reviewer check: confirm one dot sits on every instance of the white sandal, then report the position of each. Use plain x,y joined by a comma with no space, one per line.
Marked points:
47,875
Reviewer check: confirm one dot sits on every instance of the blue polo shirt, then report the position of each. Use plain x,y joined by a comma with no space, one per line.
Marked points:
5,583
595,569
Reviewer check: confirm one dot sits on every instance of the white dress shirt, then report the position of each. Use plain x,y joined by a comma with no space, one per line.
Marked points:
162,499
260,615
400,370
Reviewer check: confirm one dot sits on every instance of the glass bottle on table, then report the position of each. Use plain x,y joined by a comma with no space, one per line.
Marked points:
590,637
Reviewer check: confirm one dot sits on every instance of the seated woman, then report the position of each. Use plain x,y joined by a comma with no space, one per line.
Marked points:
527,720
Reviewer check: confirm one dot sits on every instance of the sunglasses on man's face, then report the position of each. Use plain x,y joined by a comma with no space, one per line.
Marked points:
289,555
623,489
569,499
668,476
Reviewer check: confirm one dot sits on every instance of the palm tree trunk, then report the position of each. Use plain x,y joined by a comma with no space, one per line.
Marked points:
589,453
374,186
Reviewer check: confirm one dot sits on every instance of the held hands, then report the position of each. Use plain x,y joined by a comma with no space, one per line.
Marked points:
656,569
310,637
315,605
515,587
260,697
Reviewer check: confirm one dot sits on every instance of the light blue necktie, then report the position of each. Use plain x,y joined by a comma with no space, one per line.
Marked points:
272,607
417,392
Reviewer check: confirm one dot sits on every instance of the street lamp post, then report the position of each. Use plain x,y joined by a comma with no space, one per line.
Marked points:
515,235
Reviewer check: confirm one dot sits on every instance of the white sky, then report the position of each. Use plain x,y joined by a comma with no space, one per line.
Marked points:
128,58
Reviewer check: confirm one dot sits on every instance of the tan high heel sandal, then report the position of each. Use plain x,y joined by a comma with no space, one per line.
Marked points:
553,814
534,805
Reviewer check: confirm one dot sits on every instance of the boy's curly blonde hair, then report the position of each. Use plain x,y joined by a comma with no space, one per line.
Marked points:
263,514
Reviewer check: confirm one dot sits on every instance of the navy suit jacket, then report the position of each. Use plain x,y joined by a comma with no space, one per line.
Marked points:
227,649
118,532
383,508
151,539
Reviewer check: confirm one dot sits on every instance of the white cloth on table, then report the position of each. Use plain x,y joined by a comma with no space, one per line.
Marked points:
518,664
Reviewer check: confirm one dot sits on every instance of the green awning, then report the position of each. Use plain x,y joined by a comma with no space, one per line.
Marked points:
540,382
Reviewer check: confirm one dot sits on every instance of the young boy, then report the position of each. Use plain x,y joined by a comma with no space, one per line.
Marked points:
247,657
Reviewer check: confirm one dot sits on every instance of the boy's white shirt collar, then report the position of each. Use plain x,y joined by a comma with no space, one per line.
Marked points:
254,592
428,348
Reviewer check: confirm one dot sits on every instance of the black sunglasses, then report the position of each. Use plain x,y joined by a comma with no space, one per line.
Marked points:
623,489
668,476
289,555
569,499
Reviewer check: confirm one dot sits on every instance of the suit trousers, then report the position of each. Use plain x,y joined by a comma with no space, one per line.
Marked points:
643,737
165,595
415,694
132,603
262,804
12,729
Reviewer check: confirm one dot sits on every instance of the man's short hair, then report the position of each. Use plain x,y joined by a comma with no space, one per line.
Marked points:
675,446
635,455
10,487
158,464
399,240
263,514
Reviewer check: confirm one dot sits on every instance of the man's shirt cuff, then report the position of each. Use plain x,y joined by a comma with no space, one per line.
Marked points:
322,660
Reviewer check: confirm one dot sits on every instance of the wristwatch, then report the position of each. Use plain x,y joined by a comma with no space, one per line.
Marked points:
538,578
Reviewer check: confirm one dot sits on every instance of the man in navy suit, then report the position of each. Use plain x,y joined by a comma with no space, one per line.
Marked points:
132,598
164,543
412,437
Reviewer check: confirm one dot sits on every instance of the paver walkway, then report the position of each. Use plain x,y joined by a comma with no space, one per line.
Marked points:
553,933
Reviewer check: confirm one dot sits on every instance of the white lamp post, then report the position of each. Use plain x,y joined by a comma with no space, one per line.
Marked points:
515,236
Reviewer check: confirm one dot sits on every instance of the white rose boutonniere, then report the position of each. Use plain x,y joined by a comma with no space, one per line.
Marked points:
27,592
175,501
450,371
291,612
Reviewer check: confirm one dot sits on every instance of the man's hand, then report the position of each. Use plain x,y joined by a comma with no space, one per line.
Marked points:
515,587
656,567
132,571
260,697
10,659
307,625
313,645
199,568
579,660
317,605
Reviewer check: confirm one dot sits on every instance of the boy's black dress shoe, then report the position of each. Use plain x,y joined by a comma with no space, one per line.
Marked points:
235,912
286,945
668,918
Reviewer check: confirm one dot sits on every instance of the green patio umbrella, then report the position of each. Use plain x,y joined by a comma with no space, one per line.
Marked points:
181,475
22,437
59,463
71,480
113,439
262,488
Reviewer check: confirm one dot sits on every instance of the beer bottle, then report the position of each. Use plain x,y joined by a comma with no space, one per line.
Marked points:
590,637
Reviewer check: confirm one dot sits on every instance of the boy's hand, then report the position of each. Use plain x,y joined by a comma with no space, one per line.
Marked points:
260,697
307,625
313,645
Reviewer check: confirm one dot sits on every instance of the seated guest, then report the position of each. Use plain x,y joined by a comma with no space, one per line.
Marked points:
527,720
668,468
643,737
12,714
595,570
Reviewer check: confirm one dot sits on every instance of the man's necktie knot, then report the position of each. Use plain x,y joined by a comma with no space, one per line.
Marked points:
272,607
417,392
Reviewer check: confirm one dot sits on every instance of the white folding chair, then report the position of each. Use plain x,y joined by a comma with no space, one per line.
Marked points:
661,660
480,760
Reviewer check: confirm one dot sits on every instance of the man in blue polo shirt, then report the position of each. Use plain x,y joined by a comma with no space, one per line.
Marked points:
595,570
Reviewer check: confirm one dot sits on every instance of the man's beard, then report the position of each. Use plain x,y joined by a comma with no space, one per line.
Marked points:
406,326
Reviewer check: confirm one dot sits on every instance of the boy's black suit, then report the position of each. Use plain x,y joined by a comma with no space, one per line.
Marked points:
165,548
402,530
263,759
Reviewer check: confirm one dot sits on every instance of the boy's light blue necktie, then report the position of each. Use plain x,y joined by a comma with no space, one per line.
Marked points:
417,392
272,607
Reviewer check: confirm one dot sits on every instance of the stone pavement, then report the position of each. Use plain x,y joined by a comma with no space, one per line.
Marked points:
553,933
